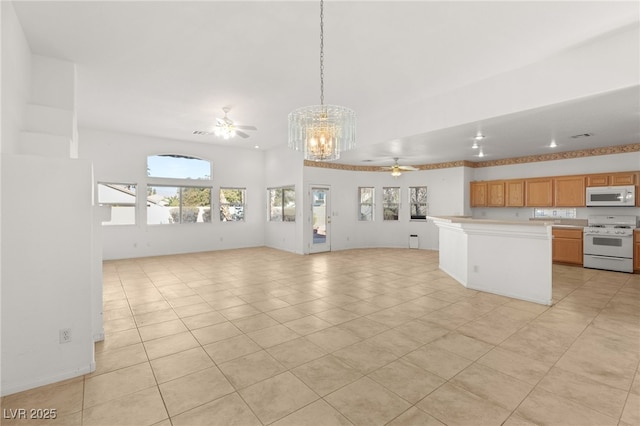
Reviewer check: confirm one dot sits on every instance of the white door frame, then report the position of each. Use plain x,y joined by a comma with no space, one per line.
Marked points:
319,244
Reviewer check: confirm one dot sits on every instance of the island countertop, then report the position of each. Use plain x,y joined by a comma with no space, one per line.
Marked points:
506,257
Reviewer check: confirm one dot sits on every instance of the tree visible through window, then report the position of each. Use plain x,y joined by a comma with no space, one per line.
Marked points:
170,204
365,200
282,204
232,204
390,203
418,202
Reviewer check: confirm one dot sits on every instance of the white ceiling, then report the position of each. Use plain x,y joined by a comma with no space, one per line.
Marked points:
166,69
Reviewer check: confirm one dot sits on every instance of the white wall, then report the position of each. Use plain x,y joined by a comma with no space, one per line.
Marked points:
122,158
446,196
16,78
284,167
584,165
46,270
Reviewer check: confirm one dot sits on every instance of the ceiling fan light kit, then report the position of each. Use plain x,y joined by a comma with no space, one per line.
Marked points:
397,169
322,131
226,128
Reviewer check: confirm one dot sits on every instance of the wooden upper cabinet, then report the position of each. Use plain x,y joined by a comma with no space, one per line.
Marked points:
539,192
598,180
623,179
612,179
514,193
478,194
569,191
495,190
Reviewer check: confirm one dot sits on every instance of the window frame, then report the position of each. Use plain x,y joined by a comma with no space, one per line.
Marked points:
417,204
282,217
181,214
241,204
387,204
117,204
206,177
371,203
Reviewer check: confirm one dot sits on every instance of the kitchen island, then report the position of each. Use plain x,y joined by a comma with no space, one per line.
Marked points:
509,258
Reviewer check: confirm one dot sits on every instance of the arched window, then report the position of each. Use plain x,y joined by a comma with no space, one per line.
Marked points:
177,166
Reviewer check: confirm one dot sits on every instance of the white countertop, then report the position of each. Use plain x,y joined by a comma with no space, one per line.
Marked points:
469,219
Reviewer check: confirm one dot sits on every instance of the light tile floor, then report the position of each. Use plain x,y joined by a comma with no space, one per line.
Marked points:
366,337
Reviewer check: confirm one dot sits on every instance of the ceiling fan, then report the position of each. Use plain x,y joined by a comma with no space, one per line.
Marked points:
397,169
226,128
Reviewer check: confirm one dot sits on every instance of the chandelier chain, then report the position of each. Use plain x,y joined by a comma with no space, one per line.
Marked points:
321,52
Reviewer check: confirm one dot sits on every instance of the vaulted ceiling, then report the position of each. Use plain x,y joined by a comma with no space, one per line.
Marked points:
424,77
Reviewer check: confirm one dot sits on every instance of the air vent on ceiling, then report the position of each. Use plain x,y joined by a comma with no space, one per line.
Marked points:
200,132
582,135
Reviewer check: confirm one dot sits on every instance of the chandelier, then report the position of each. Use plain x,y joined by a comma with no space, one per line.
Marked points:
322,131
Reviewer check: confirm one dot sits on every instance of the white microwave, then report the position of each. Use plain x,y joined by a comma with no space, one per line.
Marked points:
611,196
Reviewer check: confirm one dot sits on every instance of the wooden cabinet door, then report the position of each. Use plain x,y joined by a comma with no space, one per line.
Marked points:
597,180
478,194
567,246
636,251
569,191
496,194
514,193
622,179
539,192
567,251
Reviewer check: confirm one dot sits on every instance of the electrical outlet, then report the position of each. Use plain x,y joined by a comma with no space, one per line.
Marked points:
65,335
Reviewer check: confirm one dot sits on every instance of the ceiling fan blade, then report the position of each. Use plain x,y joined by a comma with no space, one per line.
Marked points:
241,127
407,168
242,134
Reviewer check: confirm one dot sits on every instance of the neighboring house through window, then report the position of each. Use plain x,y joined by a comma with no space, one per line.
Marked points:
121,197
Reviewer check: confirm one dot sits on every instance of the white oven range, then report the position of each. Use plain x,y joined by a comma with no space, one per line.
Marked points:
608,242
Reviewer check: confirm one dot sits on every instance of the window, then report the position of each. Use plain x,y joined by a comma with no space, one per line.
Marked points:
232,204
365,197
282,204
178,204
418,202
177,166
121,197
390,203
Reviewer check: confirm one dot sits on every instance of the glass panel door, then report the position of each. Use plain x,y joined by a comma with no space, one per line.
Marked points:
320,220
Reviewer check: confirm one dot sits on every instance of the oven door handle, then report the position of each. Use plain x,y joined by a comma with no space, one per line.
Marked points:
608,236
595,256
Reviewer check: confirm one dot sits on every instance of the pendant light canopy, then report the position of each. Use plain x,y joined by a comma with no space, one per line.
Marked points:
322,131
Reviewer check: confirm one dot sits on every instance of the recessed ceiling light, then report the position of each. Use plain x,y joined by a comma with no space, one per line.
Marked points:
475,145
479,137
257,146
553,144
481,154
